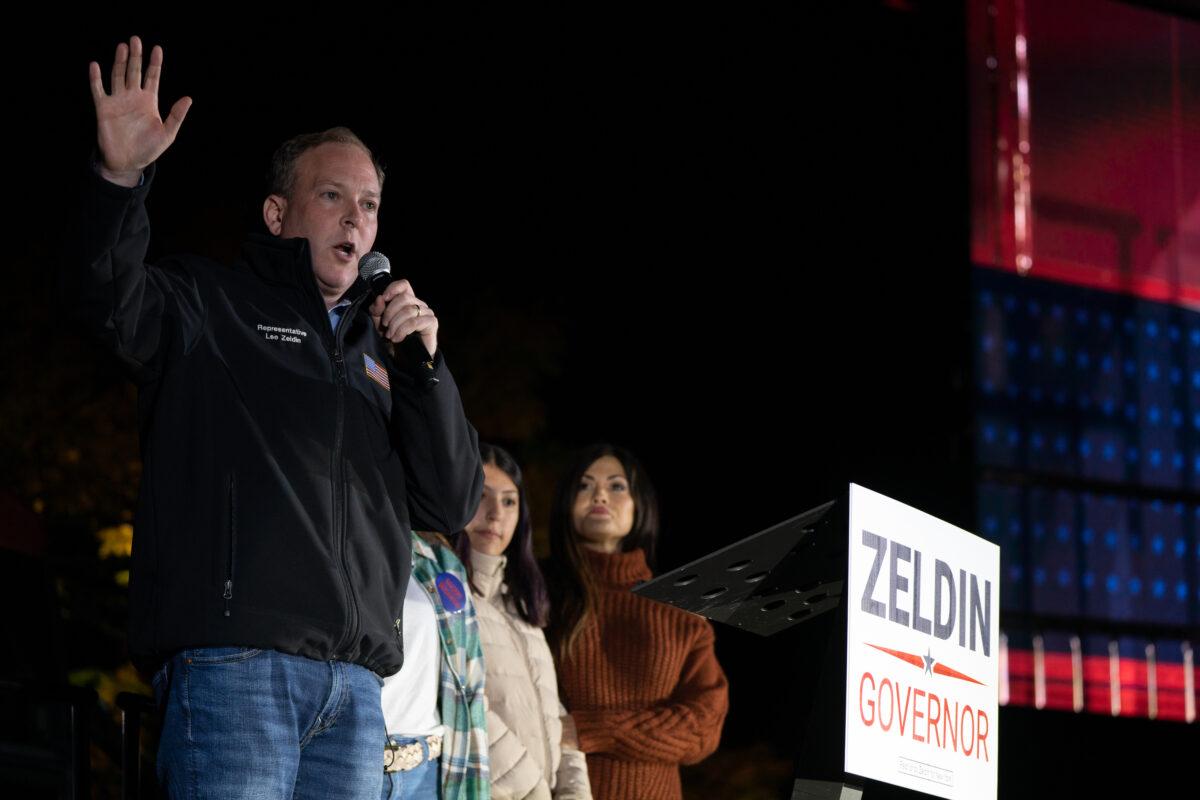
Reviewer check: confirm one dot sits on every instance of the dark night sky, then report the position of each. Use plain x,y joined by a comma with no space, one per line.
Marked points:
736,244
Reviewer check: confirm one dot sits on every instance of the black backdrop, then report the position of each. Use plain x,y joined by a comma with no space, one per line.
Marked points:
735,242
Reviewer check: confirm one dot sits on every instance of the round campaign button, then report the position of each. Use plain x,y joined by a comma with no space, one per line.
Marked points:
450,588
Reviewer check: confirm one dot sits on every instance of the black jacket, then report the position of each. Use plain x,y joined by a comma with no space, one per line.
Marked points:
280,478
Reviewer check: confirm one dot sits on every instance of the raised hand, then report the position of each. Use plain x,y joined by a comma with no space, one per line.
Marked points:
129,130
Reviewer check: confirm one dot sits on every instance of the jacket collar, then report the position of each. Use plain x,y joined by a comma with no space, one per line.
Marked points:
287,262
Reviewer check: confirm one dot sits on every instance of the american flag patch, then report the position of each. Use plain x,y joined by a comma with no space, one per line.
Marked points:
376,372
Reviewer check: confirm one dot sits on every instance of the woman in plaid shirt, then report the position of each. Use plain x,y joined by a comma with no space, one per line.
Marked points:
434,707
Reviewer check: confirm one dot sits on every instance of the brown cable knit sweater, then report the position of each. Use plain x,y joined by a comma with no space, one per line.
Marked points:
644,687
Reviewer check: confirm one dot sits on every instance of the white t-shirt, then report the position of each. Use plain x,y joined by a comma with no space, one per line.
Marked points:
410,697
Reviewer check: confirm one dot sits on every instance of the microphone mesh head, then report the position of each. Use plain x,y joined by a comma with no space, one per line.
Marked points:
372,264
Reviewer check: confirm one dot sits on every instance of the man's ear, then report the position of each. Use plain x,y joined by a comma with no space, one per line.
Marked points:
274,209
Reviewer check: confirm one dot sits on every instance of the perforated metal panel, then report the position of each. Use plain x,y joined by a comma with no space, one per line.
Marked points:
765,583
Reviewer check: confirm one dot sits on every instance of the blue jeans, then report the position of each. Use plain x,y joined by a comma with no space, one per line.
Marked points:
420,783
263,725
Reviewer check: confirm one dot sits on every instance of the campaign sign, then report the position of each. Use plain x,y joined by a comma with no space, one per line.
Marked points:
922,651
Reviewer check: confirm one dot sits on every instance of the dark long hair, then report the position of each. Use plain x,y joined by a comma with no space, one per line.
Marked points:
573,590
521,571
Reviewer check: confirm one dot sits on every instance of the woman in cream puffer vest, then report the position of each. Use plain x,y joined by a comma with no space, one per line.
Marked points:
532,747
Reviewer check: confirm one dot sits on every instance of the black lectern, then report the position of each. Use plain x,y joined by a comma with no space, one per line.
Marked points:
785,575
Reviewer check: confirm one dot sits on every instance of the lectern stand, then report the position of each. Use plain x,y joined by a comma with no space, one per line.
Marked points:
785,575
909,608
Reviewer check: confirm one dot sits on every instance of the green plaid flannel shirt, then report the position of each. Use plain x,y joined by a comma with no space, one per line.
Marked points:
465,774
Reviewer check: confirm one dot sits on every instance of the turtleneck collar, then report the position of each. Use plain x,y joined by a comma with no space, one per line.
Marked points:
619,569
487,573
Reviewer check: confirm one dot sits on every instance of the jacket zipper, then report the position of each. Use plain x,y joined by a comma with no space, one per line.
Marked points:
341,381
228,594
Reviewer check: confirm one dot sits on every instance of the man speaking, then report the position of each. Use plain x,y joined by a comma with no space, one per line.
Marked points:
287,452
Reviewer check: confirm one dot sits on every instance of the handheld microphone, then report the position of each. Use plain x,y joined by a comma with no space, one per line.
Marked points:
376,270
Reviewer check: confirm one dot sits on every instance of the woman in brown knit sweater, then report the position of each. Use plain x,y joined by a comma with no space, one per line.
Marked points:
640,678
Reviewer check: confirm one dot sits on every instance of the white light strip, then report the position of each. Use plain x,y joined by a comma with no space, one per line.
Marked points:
1022,191
1189,683
1152,681
1114,678
1039,672
1004,691
1076,674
